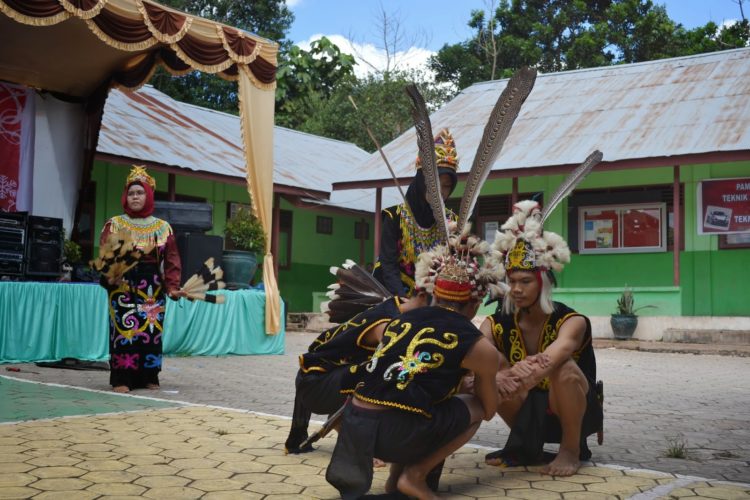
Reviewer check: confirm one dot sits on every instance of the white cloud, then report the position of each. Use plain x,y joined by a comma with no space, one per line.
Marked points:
413,58
293,3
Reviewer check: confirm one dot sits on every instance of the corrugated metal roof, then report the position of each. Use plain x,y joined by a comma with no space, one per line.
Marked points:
680,106
151,126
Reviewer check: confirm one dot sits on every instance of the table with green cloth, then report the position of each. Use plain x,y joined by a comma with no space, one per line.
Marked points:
51,321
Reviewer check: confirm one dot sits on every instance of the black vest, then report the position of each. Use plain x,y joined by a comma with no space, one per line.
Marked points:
341,345
418,363
509,341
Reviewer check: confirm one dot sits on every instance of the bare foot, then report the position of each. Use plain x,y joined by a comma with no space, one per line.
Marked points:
153,387
412,484
377,463
122,389
393,475
565,464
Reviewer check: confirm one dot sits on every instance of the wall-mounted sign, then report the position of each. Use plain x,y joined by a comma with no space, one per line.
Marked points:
724,206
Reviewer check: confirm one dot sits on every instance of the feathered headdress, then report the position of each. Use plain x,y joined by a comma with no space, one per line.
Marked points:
522,241
354,291
465,268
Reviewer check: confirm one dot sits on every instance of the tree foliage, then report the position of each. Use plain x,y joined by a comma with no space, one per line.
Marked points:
556,35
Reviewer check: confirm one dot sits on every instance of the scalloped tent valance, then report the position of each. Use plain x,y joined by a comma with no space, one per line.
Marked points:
136,34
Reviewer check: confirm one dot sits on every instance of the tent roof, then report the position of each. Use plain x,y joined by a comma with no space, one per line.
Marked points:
149,126
667,110
74,47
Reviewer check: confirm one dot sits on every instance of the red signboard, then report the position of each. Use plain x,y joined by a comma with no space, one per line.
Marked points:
724,206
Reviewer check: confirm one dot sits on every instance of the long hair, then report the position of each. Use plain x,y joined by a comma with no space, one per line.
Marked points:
545,296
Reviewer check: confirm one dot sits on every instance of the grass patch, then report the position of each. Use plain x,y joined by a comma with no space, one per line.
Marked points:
676,447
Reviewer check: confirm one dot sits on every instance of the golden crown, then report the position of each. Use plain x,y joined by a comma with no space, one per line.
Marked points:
445,151
138,173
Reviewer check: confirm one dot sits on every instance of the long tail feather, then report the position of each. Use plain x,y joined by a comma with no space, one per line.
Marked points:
505,112
570,183
355,290
207,278
426,146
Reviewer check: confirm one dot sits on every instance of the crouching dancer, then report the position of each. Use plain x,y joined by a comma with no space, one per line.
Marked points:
547,380
405,409
326,372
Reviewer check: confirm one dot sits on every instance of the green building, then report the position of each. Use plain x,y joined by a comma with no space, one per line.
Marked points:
666,213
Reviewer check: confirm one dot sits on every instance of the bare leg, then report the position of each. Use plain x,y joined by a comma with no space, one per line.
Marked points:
412,481
567,399
152,387
121,389
508,410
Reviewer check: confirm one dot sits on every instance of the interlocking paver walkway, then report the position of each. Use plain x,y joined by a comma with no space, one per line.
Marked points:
126,447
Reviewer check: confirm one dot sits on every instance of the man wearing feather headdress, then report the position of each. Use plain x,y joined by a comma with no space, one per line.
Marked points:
405,409
328,371
410,228
137,298
547,376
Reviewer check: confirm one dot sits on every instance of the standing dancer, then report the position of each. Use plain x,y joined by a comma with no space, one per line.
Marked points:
137,299
410,228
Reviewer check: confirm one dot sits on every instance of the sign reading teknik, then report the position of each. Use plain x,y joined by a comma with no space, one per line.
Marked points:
724,206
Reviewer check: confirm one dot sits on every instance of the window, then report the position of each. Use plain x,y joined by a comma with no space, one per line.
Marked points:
284,251
622,228
324,225
233,207
361,230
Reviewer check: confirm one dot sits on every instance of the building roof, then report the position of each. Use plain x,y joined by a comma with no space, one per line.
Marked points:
658,109
151,127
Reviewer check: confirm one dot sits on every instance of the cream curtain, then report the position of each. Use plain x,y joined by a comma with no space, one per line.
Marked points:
256,111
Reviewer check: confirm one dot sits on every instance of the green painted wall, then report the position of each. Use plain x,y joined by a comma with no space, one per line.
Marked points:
713,282
313,254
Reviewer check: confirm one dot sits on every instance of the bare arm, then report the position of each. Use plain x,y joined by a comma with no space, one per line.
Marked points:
569,339
483,359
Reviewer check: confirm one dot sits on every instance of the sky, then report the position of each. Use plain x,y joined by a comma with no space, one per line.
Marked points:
429,24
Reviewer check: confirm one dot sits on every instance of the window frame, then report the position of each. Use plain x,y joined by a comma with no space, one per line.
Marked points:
320,227
621,210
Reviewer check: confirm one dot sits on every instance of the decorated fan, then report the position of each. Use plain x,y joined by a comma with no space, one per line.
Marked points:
118,255
208,278
355,290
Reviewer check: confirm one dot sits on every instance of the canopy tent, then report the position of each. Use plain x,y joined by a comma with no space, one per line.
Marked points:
80,48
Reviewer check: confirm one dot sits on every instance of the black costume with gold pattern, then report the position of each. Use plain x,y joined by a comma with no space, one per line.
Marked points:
535,424
509,341
326,371
418,363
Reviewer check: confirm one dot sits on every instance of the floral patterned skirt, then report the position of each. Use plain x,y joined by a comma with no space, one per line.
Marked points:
136,313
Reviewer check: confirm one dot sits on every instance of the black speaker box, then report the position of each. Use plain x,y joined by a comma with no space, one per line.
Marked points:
185,216
44,246
12,243
195,248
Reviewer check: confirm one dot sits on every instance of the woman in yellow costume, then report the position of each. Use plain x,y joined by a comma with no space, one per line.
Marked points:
137,300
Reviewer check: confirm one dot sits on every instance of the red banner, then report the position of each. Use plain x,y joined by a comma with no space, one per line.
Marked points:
12,102
724,206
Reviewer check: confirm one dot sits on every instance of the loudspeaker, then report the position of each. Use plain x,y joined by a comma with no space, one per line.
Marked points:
44,246
195,248
185,216
12,243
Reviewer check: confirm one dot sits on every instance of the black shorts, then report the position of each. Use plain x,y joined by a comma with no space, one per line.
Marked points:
406,438
320,392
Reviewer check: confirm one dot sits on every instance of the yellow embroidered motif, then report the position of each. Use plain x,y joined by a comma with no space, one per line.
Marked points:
520,257
145,232
390,337
415,362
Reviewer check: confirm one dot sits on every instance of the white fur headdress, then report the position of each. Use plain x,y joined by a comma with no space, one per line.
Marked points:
524,244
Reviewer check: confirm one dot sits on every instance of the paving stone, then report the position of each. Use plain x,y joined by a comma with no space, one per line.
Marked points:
232,495
12,479
274,488
17,492
58,472
117,489
162,481
60,484
173,492
110,476
66,495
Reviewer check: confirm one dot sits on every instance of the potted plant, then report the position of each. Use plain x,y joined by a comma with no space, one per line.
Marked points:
624,320
71,258
246,238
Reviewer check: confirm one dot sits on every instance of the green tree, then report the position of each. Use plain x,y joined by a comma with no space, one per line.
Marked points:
555,35
382,104
306,79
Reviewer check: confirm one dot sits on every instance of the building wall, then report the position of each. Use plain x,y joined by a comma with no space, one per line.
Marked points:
713,281
312,253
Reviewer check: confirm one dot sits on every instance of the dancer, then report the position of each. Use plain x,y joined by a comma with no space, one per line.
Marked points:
137,298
